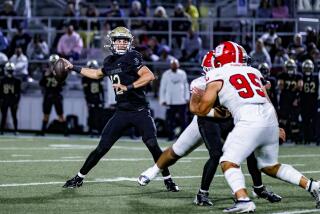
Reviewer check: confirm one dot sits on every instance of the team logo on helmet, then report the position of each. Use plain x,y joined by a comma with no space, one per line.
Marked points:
229,52
119,33
207,61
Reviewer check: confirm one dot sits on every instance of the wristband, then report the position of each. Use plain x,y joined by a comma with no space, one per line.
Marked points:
130,87
211,113
77,69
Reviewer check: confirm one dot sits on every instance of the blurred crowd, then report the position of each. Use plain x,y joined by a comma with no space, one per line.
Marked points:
290,63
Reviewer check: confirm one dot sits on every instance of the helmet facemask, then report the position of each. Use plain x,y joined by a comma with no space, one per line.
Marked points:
307,67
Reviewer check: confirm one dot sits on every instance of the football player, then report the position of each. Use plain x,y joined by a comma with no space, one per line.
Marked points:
309,98
129,77
52,96
211,128
290,84
94,95
270,84
10,91
240,90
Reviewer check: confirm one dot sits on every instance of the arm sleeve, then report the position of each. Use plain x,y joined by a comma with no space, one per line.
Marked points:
213,76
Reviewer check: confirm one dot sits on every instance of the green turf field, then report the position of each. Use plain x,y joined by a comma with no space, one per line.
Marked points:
32,171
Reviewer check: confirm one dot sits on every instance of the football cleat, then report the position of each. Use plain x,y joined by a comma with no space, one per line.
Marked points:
315,192
170,185
74,182
143,180
262,192
202,199
241,206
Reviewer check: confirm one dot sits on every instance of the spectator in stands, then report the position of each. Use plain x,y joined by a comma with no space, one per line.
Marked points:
269,37
21,64
174,93
113,12
264,10
3,61
70,12
136,12
37,49
191,46
20,39
280,10
70,44
311,35
4,44
164,53
193,12
278,53
297,45
180,26
312,53
160,25
260,54
145,6
8,11
91,12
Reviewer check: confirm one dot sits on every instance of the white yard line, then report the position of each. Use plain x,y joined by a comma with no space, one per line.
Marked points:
18,155
299,211
117,179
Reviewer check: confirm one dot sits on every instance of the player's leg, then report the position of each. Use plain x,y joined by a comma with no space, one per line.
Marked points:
14,109
58,105
170,118
187,142
182,116
259,190
46,108
4,111
110,134
211,135
240,143
146,126
267,157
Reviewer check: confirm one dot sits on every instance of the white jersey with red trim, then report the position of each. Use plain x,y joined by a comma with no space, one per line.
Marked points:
242,94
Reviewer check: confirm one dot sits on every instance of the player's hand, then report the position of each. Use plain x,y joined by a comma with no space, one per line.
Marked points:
119,87
197,91
67,63
282,135
221,112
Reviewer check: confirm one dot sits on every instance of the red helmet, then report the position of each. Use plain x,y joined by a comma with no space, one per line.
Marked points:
229,52
207,61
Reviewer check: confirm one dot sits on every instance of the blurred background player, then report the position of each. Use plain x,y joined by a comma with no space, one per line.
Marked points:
10,90
52,96
94,95
290,83
309,98
270,83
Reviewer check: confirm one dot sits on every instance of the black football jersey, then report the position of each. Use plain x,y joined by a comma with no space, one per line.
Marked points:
50,84
10,88
309,93
93,90
123,69
289,92
272,91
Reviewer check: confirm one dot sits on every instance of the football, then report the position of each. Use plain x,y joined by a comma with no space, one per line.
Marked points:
60,72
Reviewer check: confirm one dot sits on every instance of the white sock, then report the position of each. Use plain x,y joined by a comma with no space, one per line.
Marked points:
203,191
152,172
235,179
314,186
289,174
81,175
243,199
